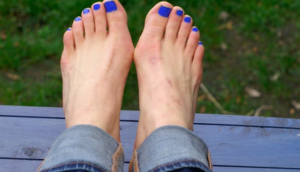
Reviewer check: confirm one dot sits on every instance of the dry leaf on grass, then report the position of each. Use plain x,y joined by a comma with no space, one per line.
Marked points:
275,77
12,76
223,15
296,105
3,36
252,92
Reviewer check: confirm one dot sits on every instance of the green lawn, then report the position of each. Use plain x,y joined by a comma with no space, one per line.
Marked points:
249,44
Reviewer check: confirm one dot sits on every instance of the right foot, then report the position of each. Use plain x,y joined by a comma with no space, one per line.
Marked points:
168,59
97,55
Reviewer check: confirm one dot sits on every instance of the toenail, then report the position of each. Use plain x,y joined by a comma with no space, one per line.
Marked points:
69,29
179,13
86,11
195,29
97,7
78,19
164,11
200,43
110,6
187,19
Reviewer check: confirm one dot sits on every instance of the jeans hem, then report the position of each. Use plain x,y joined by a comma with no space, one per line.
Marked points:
81,165
184,163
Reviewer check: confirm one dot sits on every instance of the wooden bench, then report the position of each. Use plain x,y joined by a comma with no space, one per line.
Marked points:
237,143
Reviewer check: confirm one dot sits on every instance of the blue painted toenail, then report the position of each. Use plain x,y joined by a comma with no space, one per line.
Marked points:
195,29
78,19
97,7
86,11
110,6
200,43
164,11
69,29
179,13
187,19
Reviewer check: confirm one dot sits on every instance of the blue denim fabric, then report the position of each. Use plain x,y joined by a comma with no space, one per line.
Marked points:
84,147
171,148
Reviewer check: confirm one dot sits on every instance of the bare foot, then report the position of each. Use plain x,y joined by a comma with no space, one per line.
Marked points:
96,59
168,59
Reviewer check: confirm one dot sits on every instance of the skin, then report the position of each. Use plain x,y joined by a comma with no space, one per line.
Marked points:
96,59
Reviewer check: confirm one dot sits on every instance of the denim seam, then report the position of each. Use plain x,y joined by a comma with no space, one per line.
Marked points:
209,160
178,162
74,163
119,152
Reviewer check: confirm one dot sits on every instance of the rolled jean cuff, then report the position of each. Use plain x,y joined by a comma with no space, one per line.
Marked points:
170,148
88,147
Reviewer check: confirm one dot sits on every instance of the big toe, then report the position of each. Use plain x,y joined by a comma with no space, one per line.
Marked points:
156,21
116,19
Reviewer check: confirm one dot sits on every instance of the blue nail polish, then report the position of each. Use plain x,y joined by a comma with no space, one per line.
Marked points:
200,43
164,11
110,6
69,29
195,29
179,13
86,11
78,19
97,7
187,19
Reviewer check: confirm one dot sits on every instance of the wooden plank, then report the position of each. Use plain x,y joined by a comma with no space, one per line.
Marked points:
32,165
245,169
22,111
230,146
9,165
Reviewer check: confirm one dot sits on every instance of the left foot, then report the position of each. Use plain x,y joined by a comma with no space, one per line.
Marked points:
95,64
168,60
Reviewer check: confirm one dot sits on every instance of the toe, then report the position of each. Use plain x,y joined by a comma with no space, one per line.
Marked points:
199,53
68,39
116,18
100,19
192,42
78,31
88,22
184,30
156,21
69,47
174,24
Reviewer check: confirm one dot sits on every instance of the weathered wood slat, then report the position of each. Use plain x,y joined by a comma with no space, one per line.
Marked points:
134,115
32,165
229,145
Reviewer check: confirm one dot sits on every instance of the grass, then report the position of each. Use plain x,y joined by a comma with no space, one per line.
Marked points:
257,40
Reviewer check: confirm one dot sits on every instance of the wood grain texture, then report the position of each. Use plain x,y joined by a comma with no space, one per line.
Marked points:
32,166
204,119
31,138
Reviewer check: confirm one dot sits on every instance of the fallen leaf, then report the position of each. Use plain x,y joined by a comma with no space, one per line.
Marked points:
228,26
202,97
254,49
202,110
275,77
224,46
3,35
252,92
12,76
238,99
292,111
296,105
223,15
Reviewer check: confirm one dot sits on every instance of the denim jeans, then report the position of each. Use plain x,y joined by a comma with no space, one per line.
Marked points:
86,148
